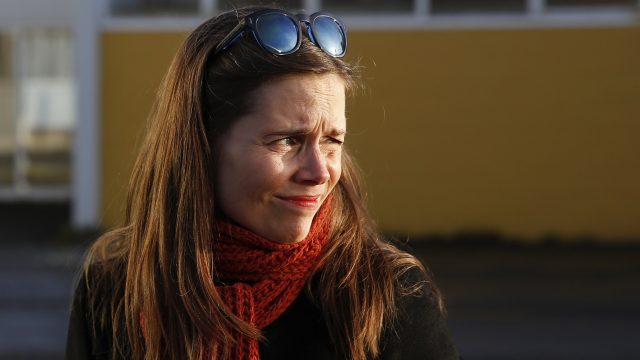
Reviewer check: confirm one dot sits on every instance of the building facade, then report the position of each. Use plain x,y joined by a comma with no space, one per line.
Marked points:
510,116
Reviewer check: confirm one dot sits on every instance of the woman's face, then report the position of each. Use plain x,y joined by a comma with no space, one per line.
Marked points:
279,163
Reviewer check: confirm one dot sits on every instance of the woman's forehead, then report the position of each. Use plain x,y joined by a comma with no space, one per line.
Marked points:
302,102
300,90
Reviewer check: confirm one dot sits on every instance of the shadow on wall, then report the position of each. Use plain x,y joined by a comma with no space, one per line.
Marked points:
29,222
495,239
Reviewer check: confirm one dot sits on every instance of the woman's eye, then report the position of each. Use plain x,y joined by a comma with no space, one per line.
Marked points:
287,141
334,141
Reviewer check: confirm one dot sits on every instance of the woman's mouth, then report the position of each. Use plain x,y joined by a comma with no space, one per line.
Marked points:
304,201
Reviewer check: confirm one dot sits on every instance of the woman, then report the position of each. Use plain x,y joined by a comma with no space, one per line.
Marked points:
246,235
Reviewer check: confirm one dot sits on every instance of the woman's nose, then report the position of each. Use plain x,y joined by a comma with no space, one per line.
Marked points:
313,167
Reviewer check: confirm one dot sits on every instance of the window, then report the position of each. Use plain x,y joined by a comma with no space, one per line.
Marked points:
591,3
46,107
475,6
36,111
159,7
225,5
368,6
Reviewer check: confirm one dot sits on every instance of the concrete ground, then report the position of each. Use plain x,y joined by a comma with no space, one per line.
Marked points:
36,287
541,303
504,302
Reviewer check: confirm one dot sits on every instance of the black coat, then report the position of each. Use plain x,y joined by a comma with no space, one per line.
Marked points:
420,331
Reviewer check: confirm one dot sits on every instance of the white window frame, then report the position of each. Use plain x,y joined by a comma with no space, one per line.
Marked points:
86,162
537,14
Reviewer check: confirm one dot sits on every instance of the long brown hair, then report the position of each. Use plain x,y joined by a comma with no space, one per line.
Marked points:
160,262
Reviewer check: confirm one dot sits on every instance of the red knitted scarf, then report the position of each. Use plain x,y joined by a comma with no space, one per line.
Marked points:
266,276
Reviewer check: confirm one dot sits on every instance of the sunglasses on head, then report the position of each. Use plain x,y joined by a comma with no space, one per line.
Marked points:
280,33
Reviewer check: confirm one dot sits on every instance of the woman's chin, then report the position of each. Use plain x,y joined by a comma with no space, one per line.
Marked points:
290,234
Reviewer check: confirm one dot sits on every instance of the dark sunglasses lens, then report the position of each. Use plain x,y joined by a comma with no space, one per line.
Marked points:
277,32
329,35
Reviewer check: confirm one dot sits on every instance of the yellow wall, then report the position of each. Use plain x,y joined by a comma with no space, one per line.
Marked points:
133,65
527,132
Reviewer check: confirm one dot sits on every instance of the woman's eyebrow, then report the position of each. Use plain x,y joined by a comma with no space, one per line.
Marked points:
338,132
303,131
289,132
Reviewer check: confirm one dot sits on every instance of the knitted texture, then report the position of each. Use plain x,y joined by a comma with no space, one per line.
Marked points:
266,277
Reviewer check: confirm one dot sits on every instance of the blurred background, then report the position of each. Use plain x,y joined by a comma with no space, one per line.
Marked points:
500,137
